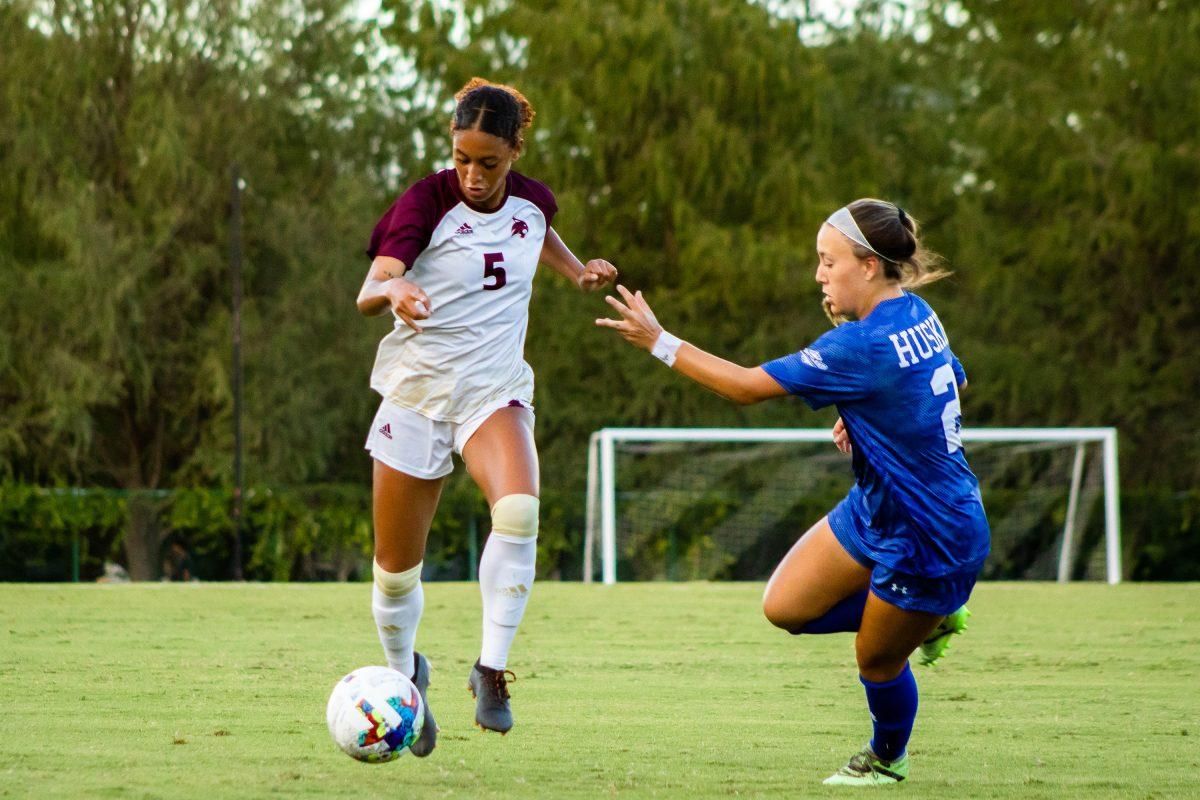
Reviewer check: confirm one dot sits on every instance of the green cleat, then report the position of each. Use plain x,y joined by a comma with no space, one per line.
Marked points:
938,642
867,769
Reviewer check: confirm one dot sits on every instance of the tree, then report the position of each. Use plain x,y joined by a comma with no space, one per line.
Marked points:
1074,212
1047,148
126,118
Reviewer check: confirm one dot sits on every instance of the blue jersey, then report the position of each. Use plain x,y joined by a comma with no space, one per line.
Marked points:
895,383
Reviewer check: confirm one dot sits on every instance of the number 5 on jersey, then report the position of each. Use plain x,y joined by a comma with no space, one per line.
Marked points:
941,383
490,270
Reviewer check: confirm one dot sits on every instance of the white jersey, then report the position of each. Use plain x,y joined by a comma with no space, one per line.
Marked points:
477,268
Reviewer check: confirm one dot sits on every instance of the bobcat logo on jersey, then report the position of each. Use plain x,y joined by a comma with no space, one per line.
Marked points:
520,227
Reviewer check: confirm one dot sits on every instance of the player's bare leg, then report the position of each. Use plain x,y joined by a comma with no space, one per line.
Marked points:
403,509
816,575
886,638
502,459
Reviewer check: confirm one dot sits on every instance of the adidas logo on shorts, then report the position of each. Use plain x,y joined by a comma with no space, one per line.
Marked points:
386,430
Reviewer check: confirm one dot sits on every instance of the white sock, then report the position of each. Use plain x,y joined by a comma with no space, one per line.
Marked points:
506,573
397,619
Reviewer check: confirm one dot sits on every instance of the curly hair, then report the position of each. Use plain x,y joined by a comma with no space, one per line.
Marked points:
492,108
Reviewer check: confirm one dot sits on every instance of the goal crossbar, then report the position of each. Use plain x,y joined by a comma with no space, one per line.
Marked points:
602,489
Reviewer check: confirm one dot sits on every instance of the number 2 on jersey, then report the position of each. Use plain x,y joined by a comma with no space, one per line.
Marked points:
490,270
942,382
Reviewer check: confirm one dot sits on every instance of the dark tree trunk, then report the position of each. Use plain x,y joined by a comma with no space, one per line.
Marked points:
144,538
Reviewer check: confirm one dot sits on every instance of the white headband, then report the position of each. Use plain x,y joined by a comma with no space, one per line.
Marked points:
844,222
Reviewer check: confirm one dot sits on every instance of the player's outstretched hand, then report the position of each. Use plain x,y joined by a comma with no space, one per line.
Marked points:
409,301
596,274
637,325
840,437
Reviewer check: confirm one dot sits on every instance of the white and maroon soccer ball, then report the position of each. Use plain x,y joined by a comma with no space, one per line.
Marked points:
375,714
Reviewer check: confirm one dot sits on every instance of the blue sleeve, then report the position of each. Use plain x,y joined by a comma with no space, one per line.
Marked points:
836,368
960,374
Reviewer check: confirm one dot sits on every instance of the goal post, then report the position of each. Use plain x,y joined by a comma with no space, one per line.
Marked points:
603,475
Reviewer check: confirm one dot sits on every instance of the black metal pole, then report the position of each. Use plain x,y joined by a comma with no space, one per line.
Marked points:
235,269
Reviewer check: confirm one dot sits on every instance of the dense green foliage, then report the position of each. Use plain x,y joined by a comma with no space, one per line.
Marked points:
115,176
322,532
309,532
1048,148
1078,228
638,690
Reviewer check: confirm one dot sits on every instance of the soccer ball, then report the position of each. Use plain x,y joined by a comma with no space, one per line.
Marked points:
375,714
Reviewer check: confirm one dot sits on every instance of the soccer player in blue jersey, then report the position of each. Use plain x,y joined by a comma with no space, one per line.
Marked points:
896,559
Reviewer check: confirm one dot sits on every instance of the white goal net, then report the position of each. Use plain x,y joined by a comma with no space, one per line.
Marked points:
727,503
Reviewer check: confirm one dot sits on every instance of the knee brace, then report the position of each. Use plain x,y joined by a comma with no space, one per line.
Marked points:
397,584
515,516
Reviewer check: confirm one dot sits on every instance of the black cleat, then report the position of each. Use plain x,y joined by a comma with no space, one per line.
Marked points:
489,687
427,740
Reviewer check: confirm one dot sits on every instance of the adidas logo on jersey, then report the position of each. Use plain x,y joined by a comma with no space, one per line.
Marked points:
464,230
386,430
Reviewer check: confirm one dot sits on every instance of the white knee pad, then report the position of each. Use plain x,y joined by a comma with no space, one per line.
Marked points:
507,569
397,584
516,516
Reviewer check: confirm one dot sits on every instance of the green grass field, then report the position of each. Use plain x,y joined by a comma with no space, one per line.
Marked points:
639,690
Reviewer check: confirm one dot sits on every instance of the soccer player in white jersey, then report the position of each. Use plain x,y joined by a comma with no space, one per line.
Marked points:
453,260
895,561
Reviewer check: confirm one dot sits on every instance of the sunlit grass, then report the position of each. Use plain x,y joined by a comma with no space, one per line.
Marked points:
667,690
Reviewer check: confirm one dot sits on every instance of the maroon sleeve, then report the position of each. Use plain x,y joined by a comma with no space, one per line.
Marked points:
537,193
403,231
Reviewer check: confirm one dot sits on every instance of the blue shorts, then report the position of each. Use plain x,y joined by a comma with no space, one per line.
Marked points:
942,595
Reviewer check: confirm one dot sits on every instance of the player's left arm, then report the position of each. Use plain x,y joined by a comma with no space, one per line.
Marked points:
639,327
596,274
841,437
960,374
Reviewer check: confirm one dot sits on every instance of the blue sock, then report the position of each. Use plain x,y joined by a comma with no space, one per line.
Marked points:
845,616
893,706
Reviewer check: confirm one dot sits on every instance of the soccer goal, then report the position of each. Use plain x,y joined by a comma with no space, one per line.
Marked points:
727,503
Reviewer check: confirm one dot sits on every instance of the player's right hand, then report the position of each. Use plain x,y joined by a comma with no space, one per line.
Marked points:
409,301
841,437
638,325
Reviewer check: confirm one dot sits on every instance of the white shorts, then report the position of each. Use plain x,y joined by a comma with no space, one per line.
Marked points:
410,442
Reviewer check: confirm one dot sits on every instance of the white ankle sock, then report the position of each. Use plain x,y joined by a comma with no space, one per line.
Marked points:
506,573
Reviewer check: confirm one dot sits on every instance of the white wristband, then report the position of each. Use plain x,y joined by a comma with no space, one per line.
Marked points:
665,348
